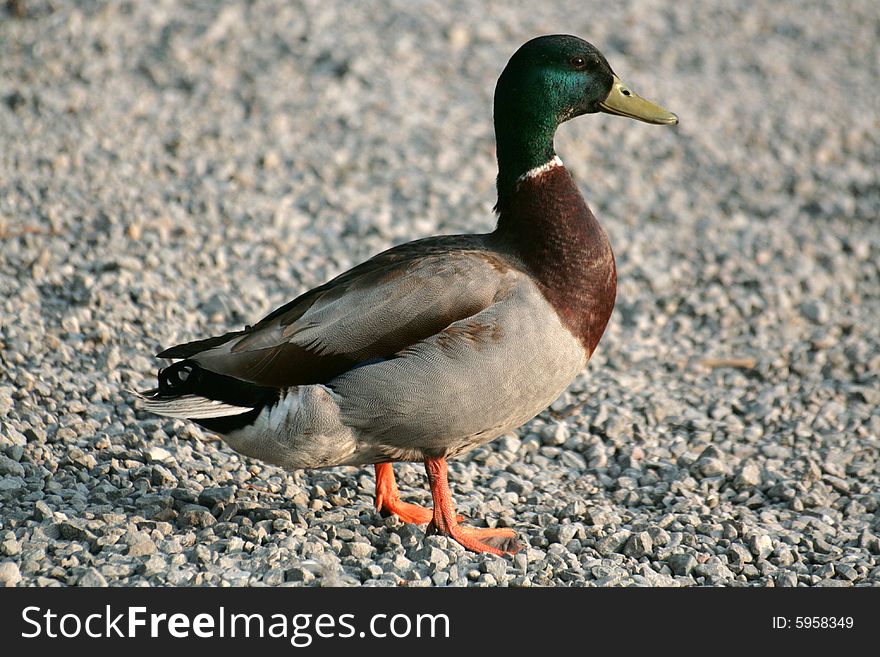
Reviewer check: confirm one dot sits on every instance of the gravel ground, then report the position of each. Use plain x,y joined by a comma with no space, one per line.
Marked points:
170,170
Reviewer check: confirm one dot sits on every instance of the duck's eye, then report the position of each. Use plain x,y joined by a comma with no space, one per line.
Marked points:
578,63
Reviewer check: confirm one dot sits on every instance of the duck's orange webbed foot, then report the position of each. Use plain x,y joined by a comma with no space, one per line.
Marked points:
498,541
388,498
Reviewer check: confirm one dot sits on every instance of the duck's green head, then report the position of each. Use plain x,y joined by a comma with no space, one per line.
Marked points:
550,80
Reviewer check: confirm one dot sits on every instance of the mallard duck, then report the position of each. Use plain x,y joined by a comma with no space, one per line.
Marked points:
433,347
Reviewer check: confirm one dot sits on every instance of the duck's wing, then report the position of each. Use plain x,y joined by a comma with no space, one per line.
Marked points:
372,312
468,383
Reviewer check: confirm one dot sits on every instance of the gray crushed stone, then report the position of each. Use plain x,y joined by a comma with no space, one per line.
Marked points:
170,170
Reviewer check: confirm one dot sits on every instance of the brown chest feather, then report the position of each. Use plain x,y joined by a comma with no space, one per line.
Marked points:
551,230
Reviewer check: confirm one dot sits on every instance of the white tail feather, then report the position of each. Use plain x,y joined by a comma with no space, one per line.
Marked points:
190,407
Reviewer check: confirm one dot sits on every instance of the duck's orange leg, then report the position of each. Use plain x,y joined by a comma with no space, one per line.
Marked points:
499,541
388,498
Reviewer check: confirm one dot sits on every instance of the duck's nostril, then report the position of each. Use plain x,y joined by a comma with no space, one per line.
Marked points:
625,92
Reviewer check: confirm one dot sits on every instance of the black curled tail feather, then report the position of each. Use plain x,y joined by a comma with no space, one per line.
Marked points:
187,377
218,402
179,379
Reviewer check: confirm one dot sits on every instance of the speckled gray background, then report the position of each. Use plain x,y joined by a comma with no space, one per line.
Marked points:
171,170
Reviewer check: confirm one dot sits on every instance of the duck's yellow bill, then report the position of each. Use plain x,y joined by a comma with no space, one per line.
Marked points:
623,102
